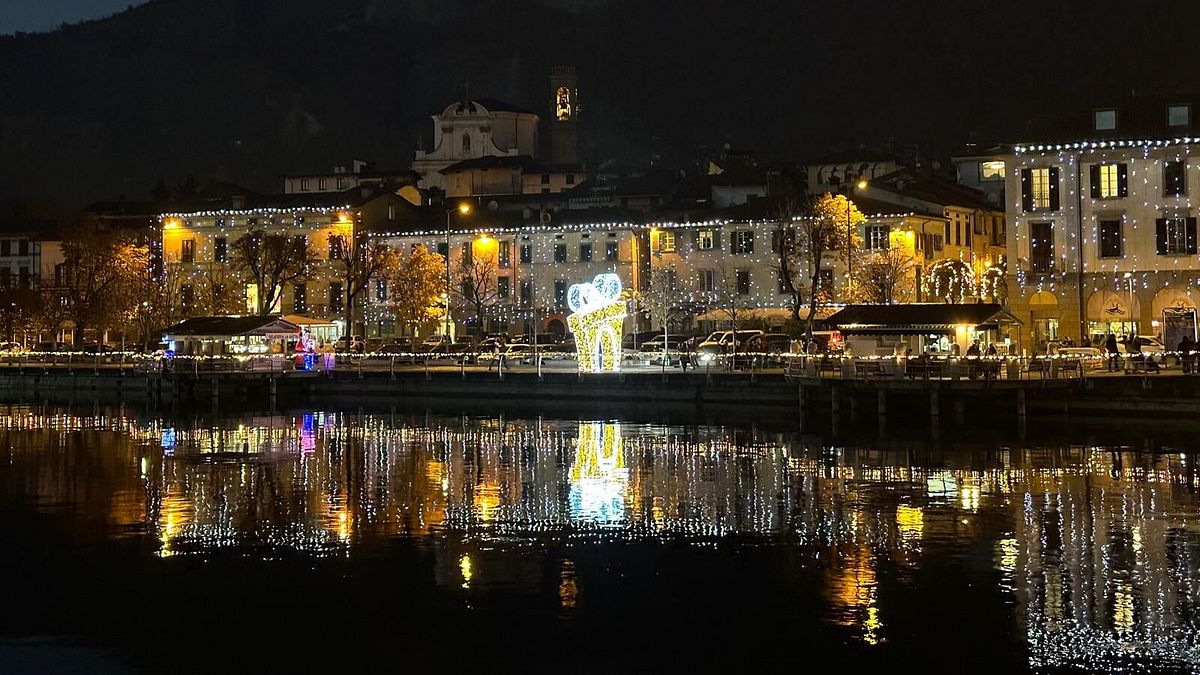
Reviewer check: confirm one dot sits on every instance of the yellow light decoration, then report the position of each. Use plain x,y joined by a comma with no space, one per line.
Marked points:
598,323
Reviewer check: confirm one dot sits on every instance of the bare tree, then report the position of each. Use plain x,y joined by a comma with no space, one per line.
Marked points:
270,261
19,308
161,300
886,277
729,300
664,301
358,261
476,289
414,285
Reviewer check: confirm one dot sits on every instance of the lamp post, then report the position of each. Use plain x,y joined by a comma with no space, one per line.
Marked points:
463,209
1129,293
860,184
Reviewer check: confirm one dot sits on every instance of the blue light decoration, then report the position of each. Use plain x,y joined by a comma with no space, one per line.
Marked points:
168,440
308,433
597,323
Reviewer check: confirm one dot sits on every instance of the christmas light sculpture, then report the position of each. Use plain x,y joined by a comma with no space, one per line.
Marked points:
597,323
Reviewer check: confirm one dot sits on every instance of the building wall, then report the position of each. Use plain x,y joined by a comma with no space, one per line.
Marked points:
1079,273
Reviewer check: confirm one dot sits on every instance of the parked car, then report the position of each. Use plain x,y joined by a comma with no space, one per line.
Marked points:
396,347
722,343
1146,344
7,348
352,343
518,353
768,348
1091,357
632,342
651,351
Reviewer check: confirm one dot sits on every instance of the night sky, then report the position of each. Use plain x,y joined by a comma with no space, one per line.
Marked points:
43,15
787,79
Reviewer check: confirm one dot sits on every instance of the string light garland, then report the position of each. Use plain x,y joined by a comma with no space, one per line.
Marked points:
950,280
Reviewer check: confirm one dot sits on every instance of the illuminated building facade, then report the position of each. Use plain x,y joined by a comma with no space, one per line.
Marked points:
1103,223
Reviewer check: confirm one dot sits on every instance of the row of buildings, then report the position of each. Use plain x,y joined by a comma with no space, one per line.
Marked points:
1084,229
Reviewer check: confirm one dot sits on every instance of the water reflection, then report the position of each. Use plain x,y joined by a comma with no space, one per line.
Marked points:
1097,548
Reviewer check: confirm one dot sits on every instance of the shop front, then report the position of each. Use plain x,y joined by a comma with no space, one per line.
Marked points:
930,328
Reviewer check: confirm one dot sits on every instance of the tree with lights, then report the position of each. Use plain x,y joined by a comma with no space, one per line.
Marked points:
735,307
358,261
100,271
808,232
663,301
950,280
993,285
270,261
886,277
414,284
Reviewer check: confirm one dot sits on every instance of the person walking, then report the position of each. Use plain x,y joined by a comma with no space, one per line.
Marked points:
1110,346
1186,346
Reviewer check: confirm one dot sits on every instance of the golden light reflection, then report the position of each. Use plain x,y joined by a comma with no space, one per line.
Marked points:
464,567
568,586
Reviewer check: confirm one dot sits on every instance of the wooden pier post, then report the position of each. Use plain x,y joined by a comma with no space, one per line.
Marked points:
881,396
934,410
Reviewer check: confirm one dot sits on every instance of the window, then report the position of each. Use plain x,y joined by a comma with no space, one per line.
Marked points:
1105,120
23,247
1039,189
545,179
526,254
299,298
1174,178
381,290
323,184
707,281
742,242
1109,181
6,248
187,251
391,211
1110,239
991,170
443,250
220,249
23,276
1041,247
187,296
743,282
466,251
611,250
1179,115
504,254
466,144
304,185
300,242
705,240
560,253
560,293
335,247
343,182
877,237
585,253
666,241
526,293
570,179
1176,236
503,287
997,230
335,296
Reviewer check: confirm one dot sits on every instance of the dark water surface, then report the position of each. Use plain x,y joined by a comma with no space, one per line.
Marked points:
346,542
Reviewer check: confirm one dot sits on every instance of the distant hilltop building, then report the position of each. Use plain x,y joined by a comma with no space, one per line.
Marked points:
484,146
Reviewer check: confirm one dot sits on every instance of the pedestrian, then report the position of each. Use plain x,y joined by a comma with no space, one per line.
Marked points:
991,350
686,355
1110,346
1186,345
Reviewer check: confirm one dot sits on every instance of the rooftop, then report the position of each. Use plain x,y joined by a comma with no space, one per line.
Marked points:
918,318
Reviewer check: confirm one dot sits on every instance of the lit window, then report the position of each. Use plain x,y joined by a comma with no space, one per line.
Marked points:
705,239
1106,120
1108,181
666,241
992,170
1040,188
1179,115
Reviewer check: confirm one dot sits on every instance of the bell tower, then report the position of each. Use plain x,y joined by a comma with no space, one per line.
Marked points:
564,120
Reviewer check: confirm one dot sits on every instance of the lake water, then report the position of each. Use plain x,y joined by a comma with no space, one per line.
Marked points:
324,540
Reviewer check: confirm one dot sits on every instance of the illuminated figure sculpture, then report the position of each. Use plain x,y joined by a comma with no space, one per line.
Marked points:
597,322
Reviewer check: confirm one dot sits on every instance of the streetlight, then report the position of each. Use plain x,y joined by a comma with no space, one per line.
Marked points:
463,209
860,184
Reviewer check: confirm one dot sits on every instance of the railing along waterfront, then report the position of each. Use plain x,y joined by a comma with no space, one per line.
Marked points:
792,365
